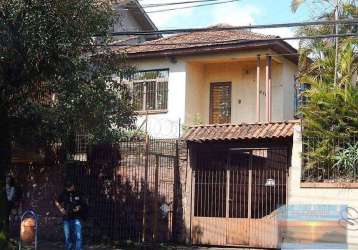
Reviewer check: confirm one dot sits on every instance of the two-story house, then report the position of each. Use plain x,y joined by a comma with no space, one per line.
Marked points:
213,77
231,92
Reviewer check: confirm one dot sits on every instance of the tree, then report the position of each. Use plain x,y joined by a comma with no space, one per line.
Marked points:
318,49
296,4
331,110
56,76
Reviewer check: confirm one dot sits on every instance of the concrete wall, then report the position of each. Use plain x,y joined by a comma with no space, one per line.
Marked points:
166,125
195,99
242,76
289,70
189,89
335,196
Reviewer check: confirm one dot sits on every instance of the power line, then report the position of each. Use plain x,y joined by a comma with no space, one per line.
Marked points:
213,2
262,26
192,6
154,5
234,41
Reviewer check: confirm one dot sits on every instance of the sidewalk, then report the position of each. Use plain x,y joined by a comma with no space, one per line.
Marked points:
59,246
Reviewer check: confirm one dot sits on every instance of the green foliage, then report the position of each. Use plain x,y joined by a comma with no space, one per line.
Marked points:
197,120
56,73
330,121
317,56
330,112
54,79
347,159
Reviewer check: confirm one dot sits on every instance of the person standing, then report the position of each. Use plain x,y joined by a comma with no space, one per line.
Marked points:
70,203
10,193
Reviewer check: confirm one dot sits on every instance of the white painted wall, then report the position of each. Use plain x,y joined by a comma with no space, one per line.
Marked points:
335,196
166,125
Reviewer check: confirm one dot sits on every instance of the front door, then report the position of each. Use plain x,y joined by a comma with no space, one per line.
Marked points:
220,102
236,197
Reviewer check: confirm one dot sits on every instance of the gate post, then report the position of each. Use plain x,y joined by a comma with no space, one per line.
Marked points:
249,195
156,198
145,187
176,194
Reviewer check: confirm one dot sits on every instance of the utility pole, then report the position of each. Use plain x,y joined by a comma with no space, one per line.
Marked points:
336,18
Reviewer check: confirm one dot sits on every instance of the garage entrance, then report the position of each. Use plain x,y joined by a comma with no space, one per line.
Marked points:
236,196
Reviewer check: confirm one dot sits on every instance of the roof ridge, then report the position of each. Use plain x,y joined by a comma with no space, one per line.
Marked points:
242,131
243,124
208,41
209,29
153,42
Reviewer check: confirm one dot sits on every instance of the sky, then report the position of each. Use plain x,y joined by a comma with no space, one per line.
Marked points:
241,12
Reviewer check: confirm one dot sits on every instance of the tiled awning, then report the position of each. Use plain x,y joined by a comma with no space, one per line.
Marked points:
227,132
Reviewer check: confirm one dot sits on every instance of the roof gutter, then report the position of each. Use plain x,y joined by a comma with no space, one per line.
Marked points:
277,46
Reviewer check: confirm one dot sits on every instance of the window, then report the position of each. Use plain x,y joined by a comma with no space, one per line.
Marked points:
82,141
150,90
220,102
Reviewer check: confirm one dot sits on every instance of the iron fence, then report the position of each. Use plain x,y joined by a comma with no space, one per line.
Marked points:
237,196
129,189
327,159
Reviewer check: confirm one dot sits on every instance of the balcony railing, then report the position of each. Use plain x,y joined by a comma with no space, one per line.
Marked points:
330,160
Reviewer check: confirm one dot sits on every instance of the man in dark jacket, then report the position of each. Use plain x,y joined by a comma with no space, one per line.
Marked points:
70,204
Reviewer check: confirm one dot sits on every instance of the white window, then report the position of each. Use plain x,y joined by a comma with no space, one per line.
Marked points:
150,90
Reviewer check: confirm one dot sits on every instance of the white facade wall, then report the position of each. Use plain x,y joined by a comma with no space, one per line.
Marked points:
329,196
167,125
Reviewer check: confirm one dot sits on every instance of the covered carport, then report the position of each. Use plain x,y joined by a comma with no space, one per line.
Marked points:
239,181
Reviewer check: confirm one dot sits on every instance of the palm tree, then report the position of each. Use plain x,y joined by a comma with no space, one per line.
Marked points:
318,58
295,4
320,66
330,113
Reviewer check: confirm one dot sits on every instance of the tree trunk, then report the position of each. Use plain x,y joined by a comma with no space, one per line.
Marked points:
5,157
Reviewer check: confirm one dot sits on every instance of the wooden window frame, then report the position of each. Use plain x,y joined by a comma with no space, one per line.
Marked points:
212,85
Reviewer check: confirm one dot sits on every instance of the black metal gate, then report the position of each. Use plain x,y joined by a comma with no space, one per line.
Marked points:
129,188
237,194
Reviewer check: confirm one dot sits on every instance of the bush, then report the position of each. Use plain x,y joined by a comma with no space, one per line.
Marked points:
330,124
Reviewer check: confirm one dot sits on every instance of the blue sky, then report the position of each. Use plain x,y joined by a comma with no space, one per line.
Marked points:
242,12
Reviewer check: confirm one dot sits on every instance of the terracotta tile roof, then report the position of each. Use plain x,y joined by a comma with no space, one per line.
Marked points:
227,132
213,37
